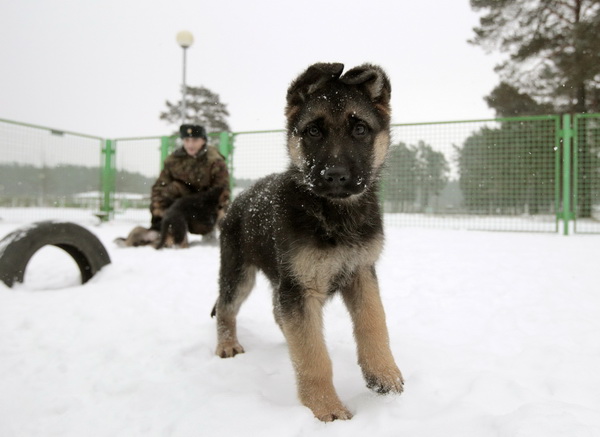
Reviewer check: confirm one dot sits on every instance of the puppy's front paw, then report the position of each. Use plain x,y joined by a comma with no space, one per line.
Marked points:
390,381
229,349
337,412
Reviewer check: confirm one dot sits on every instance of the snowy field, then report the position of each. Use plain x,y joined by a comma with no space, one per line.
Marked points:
497,334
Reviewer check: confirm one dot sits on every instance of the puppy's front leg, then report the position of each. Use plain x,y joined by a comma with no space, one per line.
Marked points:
303,329
374,355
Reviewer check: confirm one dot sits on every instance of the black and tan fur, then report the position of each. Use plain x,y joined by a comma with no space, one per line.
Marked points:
197,213
316,230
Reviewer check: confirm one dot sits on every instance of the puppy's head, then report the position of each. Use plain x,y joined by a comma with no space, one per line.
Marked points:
338,127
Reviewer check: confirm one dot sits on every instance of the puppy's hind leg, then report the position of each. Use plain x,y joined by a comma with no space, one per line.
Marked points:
235,284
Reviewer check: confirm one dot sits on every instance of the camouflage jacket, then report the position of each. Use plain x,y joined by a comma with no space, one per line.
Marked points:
184,174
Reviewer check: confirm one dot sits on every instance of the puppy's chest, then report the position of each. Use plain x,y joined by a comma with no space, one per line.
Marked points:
321,270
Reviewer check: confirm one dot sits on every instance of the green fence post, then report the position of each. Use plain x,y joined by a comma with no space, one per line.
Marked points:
557,170
575,171
225,145
567,136
226,149
108,181
165,148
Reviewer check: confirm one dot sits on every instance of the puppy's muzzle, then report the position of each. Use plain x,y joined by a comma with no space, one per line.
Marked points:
337,182
336,177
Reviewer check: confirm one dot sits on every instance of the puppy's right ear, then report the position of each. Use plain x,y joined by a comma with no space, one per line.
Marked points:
310,81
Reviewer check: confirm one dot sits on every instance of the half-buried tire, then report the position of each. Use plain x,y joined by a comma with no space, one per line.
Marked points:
17,248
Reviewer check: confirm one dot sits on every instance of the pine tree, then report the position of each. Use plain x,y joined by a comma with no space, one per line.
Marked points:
553,48
507,101
203,107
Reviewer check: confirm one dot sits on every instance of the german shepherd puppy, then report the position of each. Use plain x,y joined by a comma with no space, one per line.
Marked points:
197,213
315,230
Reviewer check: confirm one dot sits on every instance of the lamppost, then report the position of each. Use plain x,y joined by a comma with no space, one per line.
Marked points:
185,39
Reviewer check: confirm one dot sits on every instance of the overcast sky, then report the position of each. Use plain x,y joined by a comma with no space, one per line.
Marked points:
106,67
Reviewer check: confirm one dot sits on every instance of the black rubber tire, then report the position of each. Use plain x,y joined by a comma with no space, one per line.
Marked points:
17,248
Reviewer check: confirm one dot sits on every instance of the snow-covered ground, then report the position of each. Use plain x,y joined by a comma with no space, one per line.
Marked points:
497,334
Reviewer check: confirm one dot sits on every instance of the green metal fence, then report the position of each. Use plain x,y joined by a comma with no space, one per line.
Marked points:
499,174
534,174
131,165
48,173
586,172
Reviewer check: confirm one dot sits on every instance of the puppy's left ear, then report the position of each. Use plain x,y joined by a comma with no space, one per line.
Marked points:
373,80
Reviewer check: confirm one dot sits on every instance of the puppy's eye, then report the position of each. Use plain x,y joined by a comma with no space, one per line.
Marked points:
314,132
359,130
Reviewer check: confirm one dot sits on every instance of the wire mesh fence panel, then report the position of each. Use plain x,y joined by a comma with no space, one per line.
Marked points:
137,165
257,154
503,174
586,176
47,173
483,174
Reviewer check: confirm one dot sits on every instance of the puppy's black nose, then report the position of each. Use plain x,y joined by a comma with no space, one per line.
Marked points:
336,176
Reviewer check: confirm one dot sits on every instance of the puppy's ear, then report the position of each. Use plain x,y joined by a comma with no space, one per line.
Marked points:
310,81
374,81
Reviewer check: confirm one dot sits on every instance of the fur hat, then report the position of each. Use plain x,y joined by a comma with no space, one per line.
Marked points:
192,131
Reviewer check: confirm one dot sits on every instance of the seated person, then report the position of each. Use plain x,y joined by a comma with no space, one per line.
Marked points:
193,169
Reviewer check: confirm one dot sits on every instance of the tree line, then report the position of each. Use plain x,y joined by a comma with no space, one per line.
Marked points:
506,170
24,180
414,175
509,170
514,168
